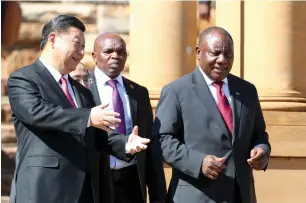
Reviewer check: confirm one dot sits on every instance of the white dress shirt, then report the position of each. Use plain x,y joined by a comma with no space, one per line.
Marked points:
213,89
57,76
106,96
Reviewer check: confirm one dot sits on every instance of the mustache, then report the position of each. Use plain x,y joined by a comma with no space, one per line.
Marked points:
219,68
115,63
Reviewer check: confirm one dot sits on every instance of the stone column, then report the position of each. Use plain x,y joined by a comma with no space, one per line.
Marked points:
163,36
274,56
233,23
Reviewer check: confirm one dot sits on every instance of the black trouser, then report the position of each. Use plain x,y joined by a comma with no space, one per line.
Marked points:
127,187
237,193
87,193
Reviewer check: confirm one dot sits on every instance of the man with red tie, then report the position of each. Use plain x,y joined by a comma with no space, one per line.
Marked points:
211,128
58,125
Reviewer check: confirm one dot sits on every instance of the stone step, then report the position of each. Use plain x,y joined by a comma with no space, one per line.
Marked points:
107,17
9,148
3,86
8,133
6,114
5,199
30,32
43,12
97,18
17,58
4,99
113,18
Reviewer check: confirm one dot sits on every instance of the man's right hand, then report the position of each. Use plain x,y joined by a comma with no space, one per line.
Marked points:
212,166
102,118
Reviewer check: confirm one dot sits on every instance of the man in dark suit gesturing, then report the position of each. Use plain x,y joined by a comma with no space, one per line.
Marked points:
54,118
211,128
128,180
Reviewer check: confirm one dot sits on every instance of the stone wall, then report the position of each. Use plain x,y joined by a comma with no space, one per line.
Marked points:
98,17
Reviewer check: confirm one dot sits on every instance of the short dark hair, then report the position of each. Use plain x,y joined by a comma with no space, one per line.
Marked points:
60,23
209,30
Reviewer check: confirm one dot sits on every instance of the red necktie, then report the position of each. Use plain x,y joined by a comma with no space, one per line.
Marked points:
224,106
66,91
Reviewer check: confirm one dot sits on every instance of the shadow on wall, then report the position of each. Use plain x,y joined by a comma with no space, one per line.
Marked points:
7,171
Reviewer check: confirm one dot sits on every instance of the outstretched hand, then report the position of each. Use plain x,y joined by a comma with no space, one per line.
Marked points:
135,143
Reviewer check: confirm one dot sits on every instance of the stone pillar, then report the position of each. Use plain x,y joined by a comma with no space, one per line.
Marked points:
274,60
11,23
275,48
270,46
233,23
163,37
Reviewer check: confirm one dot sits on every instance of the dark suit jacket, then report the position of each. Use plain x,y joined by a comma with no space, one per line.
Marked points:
190,127
149,162
55,147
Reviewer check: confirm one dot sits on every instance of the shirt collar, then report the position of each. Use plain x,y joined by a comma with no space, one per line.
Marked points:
102,78
208,80
56,75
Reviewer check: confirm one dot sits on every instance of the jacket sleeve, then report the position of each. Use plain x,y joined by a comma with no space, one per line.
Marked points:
113,143
169,128
260,136
33,110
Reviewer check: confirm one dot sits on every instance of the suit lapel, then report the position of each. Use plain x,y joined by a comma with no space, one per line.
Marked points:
79,100
202,91
49,80
129,87
93,88
235,95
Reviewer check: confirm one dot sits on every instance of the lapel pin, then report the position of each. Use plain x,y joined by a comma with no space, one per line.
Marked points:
132,86
237,93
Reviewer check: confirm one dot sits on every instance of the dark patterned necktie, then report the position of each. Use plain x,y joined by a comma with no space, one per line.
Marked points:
118,105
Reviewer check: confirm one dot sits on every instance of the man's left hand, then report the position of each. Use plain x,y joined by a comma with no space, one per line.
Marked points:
136,143
258,158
